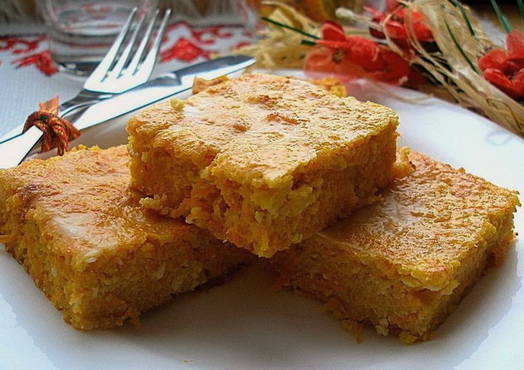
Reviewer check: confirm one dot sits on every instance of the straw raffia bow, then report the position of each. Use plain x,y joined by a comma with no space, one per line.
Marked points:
57,131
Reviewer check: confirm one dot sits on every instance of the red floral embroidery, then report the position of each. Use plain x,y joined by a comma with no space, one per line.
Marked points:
183,50
505,68
204,35
354,56
41,60
18,45
187,50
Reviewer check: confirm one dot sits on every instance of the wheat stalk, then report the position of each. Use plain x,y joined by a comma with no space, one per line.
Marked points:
455,64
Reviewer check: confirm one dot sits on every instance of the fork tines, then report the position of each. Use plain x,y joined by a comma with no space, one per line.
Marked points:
132,57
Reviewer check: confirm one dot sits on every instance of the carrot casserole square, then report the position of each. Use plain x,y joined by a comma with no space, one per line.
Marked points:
403,264
102,259
259,160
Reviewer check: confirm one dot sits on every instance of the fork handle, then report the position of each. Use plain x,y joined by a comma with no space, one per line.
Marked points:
70,109
15,150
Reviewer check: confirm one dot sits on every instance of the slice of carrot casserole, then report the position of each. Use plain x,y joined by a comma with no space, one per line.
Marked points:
262,161
403,264
78,230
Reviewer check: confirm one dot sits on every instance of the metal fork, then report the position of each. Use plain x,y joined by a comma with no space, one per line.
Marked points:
123,67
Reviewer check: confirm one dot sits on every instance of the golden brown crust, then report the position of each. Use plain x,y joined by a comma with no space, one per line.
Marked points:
77,228
200,84
258,128
252,143
85,199
404,263
423,214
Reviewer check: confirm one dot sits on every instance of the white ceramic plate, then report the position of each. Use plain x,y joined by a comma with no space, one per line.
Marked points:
246,324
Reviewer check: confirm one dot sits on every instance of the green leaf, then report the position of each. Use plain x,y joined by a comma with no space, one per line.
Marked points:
521,7
308,42
465,16
289,27
502,18
457,44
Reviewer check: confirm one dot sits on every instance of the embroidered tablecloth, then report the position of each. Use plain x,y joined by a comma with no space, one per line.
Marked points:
28,77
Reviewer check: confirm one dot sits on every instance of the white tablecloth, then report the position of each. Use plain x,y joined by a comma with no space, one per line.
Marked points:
23,87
